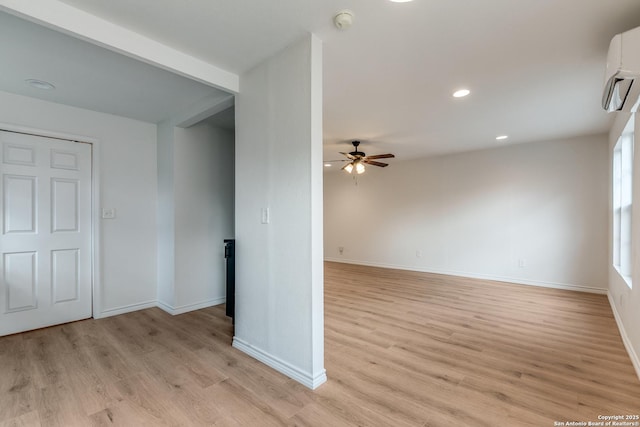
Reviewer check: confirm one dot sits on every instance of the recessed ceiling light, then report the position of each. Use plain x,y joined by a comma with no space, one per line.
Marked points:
327,165
502,137
401,1
460,93
40,84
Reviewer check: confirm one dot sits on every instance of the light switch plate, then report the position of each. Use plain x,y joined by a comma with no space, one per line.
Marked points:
265,216
108,213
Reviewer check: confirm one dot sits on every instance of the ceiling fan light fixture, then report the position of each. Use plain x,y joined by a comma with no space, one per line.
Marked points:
356,159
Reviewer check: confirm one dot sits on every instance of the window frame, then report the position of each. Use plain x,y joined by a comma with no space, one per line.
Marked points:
622,202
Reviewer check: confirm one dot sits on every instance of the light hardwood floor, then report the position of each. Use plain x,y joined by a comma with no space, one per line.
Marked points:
402,349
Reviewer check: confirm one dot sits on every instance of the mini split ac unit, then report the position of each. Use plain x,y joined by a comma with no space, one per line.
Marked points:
622,79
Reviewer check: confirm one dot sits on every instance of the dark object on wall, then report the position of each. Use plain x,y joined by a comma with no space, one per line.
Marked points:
230,257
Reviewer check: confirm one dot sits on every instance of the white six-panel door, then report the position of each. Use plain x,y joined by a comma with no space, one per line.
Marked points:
45,244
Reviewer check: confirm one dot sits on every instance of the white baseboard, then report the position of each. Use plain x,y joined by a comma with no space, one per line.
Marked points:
190,307
125,309
164,307
304,378
566,286
625,338
150,304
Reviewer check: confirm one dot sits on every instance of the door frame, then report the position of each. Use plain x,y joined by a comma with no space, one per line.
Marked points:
96,283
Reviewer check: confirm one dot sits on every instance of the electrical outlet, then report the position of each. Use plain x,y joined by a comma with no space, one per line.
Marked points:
522,263
340,250
418,254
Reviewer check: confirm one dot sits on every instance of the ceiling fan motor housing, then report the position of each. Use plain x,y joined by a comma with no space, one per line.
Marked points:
356,153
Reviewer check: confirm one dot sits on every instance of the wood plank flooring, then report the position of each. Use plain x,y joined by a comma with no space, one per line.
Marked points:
402,349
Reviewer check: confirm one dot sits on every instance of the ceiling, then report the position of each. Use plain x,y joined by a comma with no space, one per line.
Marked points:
225,119
534,67
91,77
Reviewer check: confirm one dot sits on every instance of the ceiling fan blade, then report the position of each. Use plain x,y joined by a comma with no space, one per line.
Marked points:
371,162
333,161
380,156
348,155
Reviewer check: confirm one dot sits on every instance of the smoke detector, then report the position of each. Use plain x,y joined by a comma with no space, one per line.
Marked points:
343,19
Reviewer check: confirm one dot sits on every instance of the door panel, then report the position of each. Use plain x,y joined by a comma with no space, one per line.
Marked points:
64,273
20,277
19,155
46,234
19,204
64,160
64,205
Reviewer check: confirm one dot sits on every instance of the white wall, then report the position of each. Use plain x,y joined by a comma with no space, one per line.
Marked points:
195,214
279,279
204,201
624,301
166,217
477,214
127,165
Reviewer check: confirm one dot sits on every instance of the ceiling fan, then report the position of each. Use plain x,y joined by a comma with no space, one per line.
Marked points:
357,159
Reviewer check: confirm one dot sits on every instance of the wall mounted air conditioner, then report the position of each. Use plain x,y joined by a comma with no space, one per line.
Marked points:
622,79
